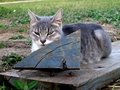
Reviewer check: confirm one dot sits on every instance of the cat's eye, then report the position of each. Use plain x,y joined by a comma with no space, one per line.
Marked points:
49,33
37,33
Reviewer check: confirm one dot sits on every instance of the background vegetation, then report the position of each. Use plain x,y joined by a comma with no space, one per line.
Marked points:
105,11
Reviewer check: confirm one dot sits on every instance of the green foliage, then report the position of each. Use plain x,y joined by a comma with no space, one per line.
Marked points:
32,84
3,44
118,32
11,59
4,12
113,88
24,85
106,11
16,15
21,19
21,29
112,39
28,41
111,16
20,16
3,87
4,26
17,37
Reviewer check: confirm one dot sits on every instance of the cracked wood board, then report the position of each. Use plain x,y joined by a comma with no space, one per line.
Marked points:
61,54
89,77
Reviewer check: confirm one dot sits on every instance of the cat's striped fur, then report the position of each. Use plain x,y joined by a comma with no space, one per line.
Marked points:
95,42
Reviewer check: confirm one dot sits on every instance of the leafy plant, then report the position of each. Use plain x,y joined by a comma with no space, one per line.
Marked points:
5,12
111,16
21,19
113,87
3,87
17,37
4,26
24,85
20,16
112,40
21,30
11,59
3,44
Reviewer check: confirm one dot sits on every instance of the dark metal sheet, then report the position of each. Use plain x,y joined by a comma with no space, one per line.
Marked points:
61,54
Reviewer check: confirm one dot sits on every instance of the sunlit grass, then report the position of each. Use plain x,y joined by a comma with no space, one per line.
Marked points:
67,4
107,11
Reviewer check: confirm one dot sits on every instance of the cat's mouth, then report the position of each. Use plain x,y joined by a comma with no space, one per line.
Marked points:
43,44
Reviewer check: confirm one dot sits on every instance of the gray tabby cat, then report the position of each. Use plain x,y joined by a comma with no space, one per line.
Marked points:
95,42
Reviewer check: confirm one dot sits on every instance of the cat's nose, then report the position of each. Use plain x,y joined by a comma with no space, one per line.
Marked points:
43,41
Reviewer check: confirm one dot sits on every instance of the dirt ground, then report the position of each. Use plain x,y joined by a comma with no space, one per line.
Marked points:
14,46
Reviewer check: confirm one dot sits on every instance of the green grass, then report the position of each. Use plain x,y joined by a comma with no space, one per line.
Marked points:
21,29
67,4
17,37
3,44
106,11
10,60
4,26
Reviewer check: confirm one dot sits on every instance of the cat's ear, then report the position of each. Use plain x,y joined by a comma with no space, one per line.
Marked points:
33,19
57,18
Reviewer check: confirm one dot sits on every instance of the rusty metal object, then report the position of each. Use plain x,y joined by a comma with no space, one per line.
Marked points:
62,54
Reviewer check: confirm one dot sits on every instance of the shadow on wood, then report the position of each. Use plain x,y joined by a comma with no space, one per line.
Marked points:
62,54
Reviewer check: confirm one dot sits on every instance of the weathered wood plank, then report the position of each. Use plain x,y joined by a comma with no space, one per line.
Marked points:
62,54
89,77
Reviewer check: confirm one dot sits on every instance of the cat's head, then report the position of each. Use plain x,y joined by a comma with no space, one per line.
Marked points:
45,29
